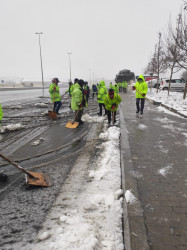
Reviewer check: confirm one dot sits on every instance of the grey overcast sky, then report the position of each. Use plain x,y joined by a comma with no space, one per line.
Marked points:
102,35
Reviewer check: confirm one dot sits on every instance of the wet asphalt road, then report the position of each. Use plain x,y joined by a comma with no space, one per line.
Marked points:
22,208
158,144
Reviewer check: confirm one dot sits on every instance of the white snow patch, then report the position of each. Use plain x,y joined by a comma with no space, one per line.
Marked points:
130,198
164,171
42,105
88,118
37,142
113,133
43,236
11,127
142,126
185,134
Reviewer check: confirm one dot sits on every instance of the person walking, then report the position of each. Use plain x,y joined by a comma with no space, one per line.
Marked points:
86,91
55,95
125,87
112,100
1,114
141,91
116,88
78,101
102,92
94,90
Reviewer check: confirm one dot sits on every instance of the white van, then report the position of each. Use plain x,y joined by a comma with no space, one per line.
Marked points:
176,84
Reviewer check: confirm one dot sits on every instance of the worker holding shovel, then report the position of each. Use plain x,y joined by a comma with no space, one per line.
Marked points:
141,91
1,114
112,100
55,95
78,101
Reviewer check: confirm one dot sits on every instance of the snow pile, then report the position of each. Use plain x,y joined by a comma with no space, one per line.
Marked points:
41,105
174,100
129,197
11,127
164,171
113,133
89,216
88,118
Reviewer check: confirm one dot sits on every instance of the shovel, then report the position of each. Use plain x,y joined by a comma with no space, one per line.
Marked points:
32,178
154,102
52,114
73,124
113,118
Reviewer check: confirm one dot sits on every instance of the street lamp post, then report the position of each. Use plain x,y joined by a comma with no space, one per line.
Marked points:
69,64
40,33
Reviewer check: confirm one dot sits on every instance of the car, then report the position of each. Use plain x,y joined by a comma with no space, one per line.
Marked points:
154,83
176,84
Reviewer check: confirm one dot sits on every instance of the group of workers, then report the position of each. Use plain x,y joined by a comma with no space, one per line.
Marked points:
107,99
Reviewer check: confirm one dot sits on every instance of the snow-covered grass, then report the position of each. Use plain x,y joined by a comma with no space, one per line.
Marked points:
174,100
92,218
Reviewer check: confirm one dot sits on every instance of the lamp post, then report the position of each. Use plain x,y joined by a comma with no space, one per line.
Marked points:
69,64
40,33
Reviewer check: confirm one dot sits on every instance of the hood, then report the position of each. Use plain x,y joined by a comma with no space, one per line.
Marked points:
102,83
77,86
141,76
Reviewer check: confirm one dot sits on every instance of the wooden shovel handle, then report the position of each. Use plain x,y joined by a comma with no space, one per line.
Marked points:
16,165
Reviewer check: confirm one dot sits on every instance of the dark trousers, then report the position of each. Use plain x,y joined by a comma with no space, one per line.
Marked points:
57,106
140,108
78,115
100,106
109,114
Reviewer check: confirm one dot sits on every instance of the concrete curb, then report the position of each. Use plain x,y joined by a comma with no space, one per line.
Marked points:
135,236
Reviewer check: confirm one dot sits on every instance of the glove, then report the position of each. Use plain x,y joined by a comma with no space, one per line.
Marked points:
85,92
80,106
133,87
113,106
143,94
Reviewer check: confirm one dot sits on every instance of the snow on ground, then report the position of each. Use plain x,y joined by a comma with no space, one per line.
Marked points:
41,105
174,100
11,127
142,126
89,118
129,197
164,171
91,219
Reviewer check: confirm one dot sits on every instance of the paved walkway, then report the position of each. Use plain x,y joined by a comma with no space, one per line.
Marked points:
156,174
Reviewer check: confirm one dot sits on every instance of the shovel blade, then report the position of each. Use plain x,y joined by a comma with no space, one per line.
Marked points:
72,125
52,115
38,179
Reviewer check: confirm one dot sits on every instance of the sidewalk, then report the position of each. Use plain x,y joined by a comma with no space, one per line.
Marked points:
154,160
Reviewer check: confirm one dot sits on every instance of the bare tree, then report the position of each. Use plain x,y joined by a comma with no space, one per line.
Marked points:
180,37
158,63
172,52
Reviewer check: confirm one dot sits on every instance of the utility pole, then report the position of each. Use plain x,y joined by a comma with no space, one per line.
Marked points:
69,64
40,33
